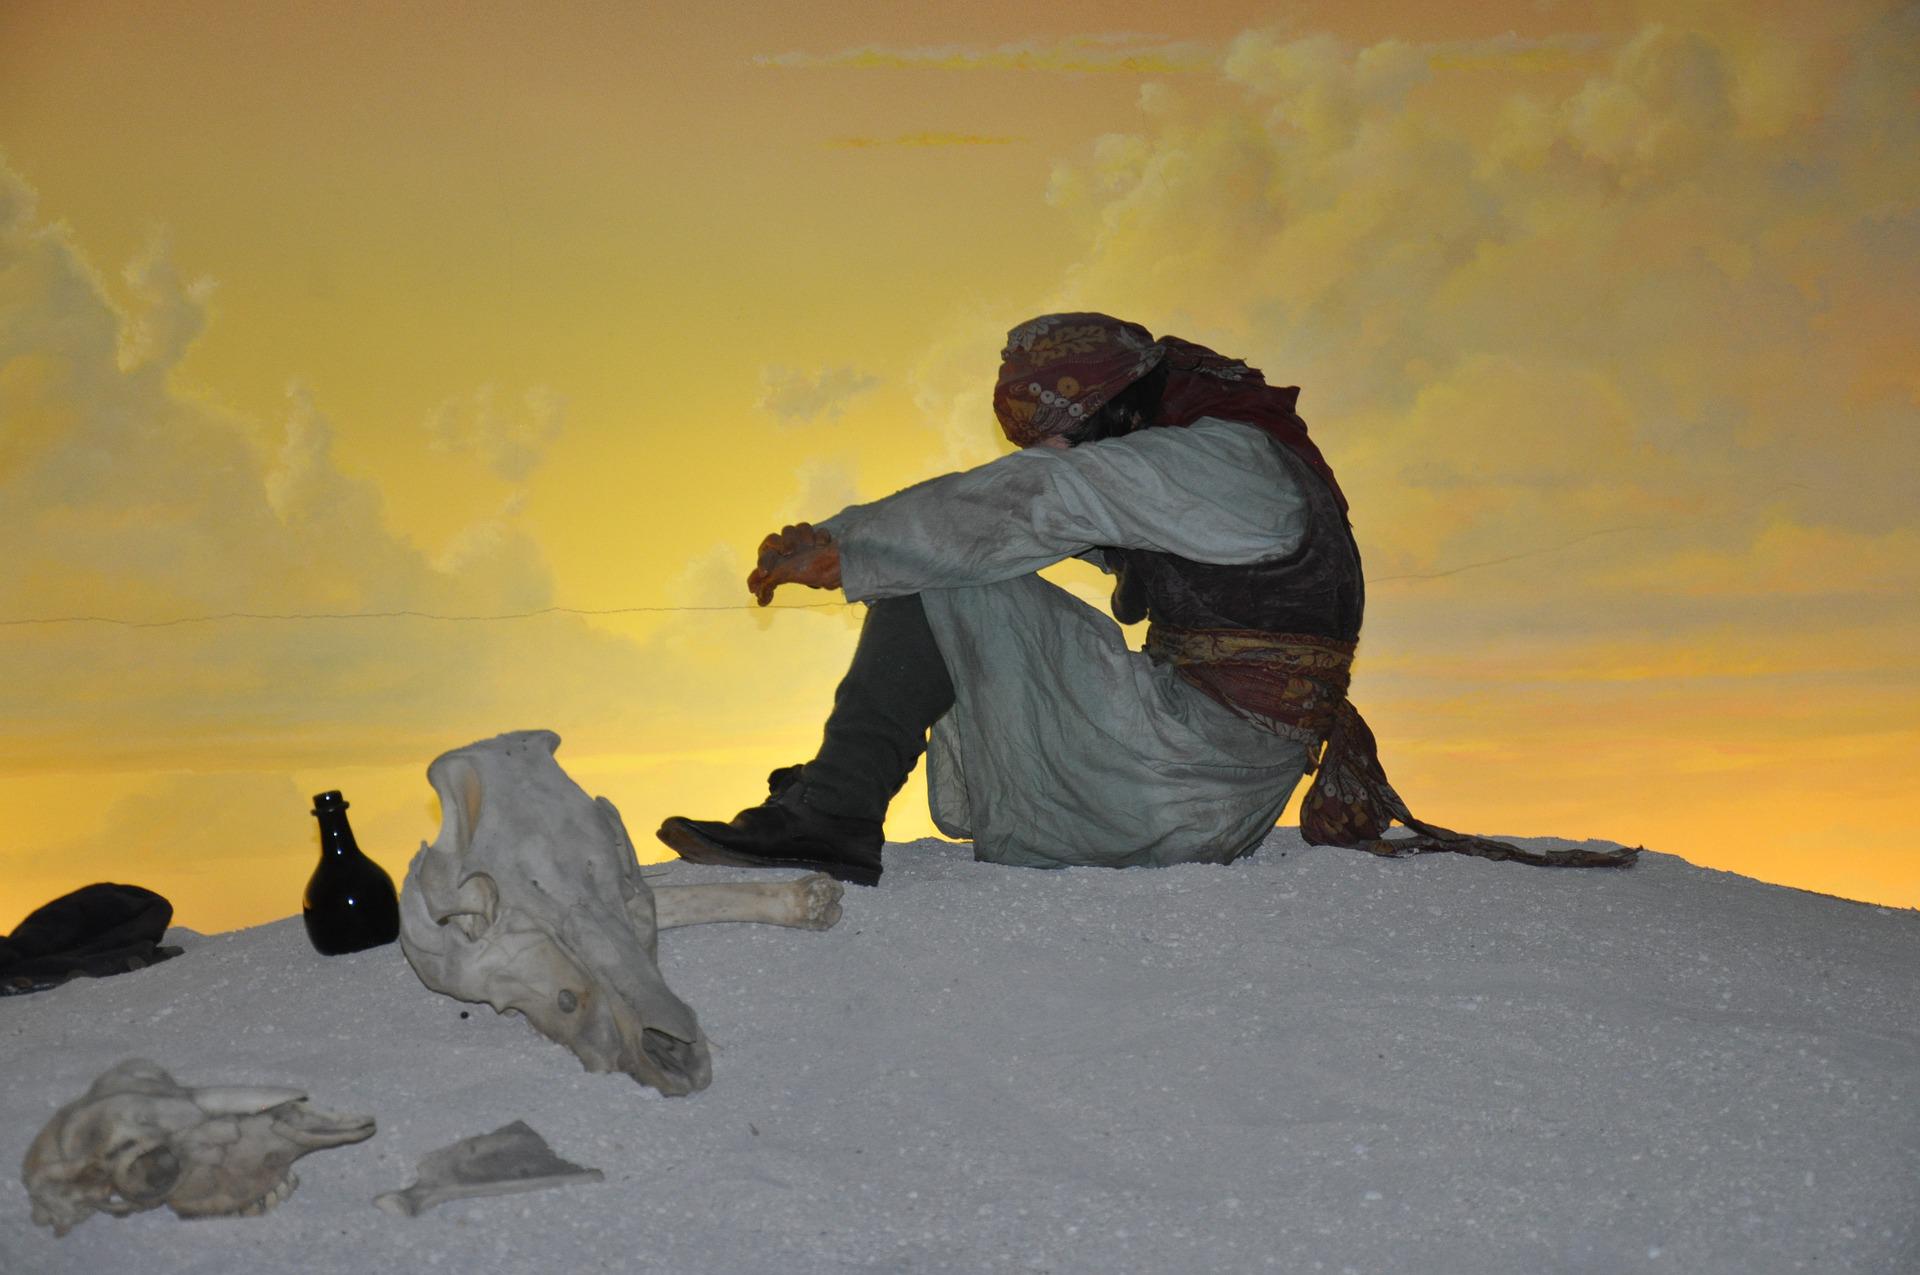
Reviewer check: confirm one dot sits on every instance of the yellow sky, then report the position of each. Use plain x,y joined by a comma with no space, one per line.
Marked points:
1604,313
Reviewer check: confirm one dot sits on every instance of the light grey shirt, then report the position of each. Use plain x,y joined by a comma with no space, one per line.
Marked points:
1216,491
1063,746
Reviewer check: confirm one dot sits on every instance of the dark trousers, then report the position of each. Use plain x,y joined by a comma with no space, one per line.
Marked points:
895,689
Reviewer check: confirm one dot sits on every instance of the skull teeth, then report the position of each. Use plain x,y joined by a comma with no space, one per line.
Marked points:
278,1192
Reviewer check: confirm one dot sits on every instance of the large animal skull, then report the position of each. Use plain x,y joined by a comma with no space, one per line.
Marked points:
137,1139
531,901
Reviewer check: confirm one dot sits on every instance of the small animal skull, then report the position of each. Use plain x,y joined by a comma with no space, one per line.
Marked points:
531,901
138,1139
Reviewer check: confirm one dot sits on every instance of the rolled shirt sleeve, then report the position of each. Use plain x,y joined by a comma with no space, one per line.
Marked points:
1216,491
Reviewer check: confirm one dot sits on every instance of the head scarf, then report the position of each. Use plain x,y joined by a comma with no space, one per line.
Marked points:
1059,369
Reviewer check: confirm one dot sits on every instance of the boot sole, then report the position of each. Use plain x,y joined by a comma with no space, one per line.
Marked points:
689,844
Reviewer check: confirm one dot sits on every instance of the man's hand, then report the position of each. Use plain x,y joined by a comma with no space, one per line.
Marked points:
800,554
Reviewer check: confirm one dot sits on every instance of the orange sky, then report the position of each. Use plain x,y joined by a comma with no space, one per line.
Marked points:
1604,313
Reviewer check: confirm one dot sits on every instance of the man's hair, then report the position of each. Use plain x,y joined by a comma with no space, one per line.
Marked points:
1132,408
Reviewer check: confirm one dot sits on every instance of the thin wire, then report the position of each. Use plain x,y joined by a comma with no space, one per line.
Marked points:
394,615
1512,557
791,606
1564,545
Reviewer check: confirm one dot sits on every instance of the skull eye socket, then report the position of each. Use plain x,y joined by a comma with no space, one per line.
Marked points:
476,904
147,1178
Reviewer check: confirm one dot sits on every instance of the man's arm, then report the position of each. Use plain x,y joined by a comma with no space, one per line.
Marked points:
1214,492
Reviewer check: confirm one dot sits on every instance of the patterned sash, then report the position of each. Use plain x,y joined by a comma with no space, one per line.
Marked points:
1295,685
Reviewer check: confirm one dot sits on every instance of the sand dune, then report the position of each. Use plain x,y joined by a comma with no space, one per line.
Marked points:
1312,1060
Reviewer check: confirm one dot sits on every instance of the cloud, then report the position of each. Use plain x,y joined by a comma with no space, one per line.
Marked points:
1789,562
952,383
303,486
1533,289
1609,338
495,548
510,438
822,488
235,558
1123,53
920,140
796,397
168,312
130,501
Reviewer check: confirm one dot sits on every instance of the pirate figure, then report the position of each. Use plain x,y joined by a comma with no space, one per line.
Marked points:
1049,741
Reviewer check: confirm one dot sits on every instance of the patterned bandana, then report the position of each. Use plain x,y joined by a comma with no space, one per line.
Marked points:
1059,369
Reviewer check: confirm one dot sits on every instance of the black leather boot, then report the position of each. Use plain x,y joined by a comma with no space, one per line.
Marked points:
826,815
783,832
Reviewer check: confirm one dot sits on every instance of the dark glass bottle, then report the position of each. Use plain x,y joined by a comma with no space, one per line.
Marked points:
349,904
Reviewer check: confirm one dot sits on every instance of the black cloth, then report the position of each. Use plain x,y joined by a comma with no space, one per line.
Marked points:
1318,589
896,688
95,931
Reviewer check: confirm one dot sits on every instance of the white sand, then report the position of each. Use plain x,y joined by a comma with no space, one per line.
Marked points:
1312,1060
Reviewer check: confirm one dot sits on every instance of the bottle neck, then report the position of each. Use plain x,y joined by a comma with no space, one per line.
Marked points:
335,836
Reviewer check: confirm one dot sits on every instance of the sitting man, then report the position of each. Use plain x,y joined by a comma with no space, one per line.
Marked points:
1193,482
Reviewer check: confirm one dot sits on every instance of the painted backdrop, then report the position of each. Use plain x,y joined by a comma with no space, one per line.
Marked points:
539,316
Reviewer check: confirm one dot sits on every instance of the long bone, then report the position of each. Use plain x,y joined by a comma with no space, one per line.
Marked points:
811,902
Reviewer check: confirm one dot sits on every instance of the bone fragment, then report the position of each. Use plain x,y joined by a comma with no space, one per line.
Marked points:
511,1159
